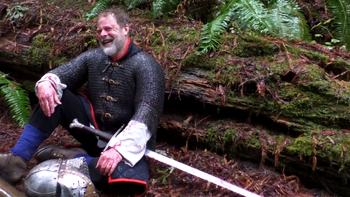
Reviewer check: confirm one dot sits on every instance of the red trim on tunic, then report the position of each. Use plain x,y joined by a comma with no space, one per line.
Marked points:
92,111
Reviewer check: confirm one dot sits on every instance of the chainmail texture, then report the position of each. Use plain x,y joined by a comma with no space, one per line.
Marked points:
129,89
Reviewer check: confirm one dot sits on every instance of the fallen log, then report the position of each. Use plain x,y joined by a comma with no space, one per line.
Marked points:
317,165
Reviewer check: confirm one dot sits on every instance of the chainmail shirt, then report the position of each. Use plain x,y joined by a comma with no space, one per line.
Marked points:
129,89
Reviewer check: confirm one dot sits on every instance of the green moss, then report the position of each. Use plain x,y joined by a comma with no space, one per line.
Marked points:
253,141
250,45
190,34
315,56
301,145
313,98
194,60
212,138
229,136
39,52
341,63
59,61
172,37
252,37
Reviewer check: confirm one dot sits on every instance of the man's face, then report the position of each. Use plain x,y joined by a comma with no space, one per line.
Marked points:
111,37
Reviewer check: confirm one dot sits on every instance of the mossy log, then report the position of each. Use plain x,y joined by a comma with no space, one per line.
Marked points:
281,103
317,159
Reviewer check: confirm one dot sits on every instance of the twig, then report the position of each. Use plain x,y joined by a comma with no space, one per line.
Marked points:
287,54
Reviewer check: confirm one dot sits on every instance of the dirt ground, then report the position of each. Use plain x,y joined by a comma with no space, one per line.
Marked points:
169,182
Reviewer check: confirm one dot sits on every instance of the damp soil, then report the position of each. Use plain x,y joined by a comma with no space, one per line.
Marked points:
167,181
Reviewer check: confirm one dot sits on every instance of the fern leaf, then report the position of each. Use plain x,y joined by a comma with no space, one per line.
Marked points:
212,32
252,14
340,9
98,6
17,100
134,3
159,7
285,18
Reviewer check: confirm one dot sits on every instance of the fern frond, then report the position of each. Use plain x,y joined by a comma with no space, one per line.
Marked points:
212,32
285,18
98,6
134,3
159,7
17,100
340,9
252,14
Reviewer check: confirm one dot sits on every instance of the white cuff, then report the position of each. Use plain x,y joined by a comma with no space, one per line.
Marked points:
55,82
131,142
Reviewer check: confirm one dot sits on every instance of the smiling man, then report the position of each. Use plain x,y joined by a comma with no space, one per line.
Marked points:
125,87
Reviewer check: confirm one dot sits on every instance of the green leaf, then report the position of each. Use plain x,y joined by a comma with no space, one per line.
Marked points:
285,18
98,7
134,3
252,14
340,9
16,99
212,32
159,7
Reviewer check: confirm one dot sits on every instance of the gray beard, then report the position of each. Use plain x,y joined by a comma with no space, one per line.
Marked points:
110,50
117,44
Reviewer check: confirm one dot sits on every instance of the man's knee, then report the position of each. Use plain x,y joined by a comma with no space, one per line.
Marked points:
124,179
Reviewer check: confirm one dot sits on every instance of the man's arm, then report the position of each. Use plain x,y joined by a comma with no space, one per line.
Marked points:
49,92
150,87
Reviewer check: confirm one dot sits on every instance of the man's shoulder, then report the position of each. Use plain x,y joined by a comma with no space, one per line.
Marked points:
94,51
145,56
144,63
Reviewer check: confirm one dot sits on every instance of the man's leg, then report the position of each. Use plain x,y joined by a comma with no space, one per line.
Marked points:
124,180
39,127
77,108
13,164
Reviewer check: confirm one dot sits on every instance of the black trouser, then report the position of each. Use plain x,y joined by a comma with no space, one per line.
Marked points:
72,107
133,179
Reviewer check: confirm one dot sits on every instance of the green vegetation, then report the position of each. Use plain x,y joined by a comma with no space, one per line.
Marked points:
279,18
16,99
15,12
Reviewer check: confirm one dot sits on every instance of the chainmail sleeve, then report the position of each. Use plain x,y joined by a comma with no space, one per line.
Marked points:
74,73
149,98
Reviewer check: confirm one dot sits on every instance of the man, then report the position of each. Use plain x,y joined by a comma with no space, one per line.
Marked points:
125,87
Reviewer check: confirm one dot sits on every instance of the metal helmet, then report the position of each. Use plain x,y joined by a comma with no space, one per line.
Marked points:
60,178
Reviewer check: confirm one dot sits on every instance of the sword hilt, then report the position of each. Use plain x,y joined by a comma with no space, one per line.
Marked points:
103,135
76,124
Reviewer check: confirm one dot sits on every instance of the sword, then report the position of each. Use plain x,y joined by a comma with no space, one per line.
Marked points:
171,162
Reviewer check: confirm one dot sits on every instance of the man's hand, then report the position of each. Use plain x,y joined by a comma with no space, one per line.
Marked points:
47,97
108,161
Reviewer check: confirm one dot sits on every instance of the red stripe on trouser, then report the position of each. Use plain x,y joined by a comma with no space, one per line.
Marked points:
125,180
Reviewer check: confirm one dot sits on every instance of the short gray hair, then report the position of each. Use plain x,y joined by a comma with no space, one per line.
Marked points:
120,15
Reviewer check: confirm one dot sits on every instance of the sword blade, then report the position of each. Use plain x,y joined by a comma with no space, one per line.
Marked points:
198,173
171,162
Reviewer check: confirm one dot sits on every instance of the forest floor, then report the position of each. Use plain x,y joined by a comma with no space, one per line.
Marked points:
169,182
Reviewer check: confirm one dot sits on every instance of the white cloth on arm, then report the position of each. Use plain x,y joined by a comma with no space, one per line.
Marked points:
55,82
131,142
